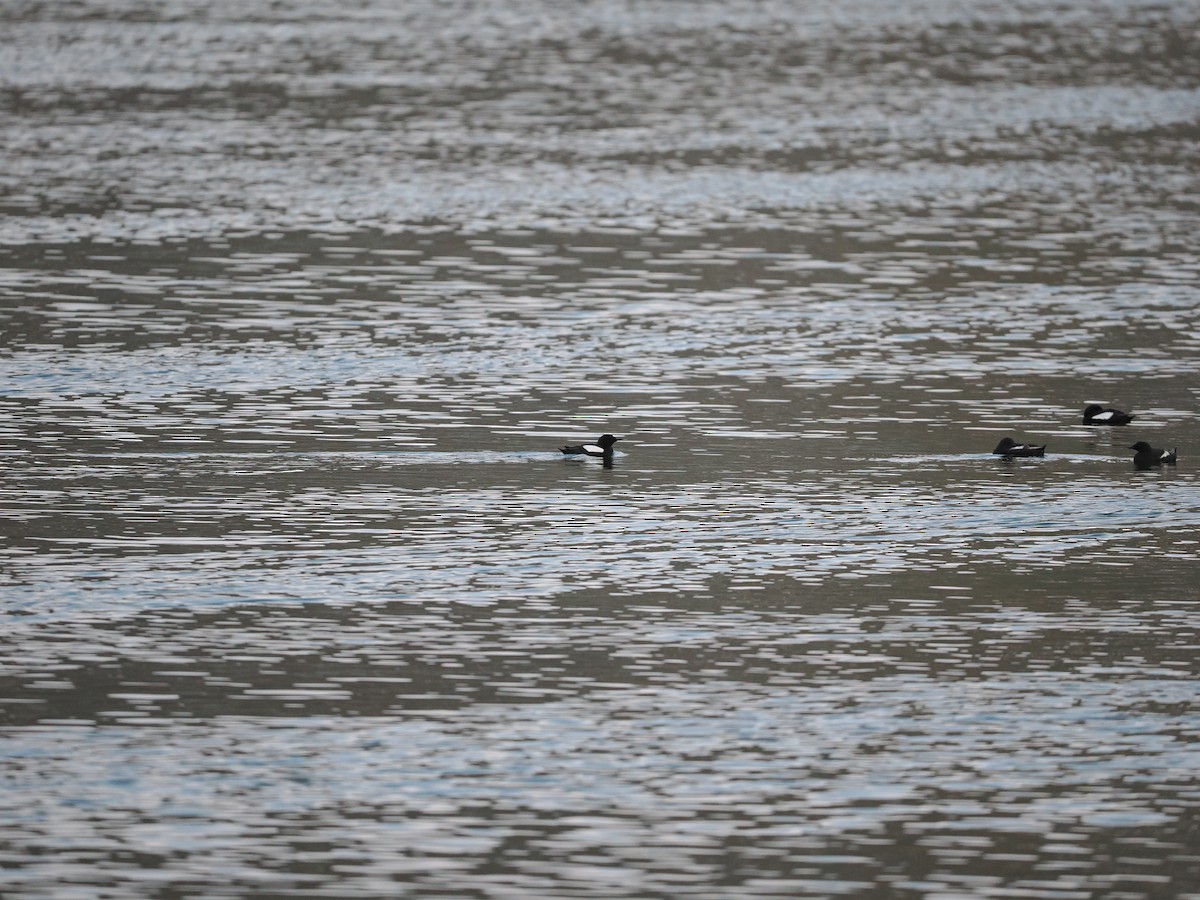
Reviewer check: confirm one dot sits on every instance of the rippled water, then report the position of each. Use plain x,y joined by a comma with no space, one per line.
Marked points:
298,300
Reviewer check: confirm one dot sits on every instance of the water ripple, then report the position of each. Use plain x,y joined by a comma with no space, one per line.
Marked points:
298,301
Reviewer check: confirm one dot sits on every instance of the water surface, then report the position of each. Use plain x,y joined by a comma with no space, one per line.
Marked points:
298,300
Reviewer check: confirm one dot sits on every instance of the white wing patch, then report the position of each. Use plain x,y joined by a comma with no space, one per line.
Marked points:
592,448
1102,417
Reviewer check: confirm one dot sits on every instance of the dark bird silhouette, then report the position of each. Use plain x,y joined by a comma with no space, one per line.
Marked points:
1098,415
1147,456
602,447
1008,448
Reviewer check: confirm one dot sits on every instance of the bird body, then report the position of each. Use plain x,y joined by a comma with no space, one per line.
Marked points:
1147,456
1098,415
602,447
1008,448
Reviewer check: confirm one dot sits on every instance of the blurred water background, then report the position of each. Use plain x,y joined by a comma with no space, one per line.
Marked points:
298,298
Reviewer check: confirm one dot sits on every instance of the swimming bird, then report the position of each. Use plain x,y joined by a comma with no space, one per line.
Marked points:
1148,456
1008,448
602,447
1098,415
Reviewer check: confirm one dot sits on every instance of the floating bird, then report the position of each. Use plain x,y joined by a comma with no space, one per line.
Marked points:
602,447
1098,415
1008,448
1148,456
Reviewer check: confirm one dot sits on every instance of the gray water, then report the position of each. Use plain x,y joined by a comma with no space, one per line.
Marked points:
298,300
